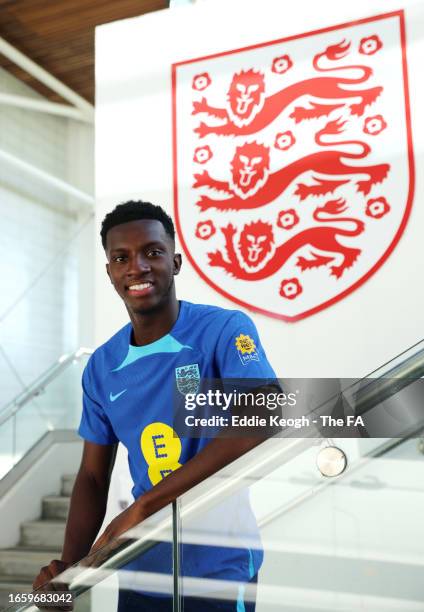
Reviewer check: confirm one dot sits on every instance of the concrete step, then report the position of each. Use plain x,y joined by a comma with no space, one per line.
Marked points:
12,585
55,550
24,563
49,534
68,481
55,507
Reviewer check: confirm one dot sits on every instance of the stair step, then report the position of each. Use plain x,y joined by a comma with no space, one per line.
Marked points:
68,481
16,579
23,563
55,507
54,550
12,586
49,534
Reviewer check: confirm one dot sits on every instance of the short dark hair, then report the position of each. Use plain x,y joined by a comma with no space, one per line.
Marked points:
135,210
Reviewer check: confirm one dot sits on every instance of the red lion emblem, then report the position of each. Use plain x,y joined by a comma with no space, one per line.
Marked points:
249,110
260,257
252,186
293,171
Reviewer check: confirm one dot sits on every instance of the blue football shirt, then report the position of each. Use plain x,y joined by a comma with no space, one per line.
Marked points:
129,397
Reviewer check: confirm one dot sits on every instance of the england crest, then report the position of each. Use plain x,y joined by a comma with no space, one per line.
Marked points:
293,164
188,378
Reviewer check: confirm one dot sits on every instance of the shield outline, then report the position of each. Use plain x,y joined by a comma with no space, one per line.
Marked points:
196,379
401,15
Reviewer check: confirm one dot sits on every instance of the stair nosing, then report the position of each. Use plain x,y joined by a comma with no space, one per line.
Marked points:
55,497
45,522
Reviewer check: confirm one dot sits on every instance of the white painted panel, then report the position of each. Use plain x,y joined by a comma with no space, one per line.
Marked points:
134,160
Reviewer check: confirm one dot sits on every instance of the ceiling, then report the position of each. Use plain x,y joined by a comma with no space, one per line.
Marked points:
59,36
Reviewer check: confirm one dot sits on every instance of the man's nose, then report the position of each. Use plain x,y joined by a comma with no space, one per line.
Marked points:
140,263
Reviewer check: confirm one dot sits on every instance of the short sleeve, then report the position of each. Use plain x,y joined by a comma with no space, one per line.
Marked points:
95,425
239,352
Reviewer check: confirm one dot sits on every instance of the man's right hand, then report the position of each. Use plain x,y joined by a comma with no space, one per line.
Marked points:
46,574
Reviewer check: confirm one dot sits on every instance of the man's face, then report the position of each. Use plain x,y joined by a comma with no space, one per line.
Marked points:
142,264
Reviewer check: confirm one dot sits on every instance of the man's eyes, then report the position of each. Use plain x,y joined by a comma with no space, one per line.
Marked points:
149,253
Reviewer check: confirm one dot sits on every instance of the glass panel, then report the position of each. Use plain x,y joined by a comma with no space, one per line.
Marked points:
60,402
145,573
357,545
351,542
11,382
58,406
31,425
6,446
38,306
270,528
223,548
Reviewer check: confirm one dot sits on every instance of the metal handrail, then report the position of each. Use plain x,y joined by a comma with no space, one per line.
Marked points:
39,385
394,380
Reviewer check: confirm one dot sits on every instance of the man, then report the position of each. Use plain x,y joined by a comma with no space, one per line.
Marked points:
129,385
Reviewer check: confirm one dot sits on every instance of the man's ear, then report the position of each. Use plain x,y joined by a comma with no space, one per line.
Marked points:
108,273
177,263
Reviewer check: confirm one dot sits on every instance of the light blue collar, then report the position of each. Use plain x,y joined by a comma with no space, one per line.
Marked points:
166,344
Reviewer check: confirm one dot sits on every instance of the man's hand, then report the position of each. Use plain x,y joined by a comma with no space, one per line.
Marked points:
108,540
46,574
50,571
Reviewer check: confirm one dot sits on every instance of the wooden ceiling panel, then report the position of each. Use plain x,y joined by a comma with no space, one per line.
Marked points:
59,36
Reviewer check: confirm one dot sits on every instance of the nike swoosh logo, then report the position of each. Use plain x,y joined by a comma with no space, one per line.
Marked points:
115,397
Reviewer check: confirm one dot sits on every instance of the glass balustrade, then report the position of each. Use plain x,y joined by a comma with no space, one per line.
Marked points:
123,573
52,402
295,540
349,543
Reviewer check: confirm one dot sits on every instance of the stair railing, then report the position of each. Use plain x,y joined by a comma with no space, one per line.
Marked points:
9,412
252,466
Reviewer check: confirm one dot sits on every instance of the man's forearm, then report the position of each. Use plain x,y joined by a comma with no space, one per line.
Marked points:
217,454
86,514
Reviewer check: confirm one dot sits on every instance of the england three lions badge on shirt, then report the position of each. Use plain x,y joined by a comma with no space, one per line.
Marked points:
188,378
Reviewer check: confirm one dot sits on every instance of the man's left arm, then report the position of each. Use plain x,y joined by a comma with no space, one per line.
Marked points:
216,455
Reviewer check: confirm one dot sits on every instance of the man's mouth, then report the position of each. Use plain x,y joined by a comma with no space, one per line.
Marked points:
140,288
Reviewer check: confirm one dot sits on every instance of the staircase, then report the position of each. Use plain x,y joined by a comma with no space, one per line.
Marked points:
40,542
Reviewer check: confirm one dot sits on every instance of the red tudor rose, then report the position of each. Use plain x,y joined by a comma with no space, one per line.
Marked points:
202,154
284,141
287,219
374,125
205,229
290,288
201,81
377,208
281,64
370,45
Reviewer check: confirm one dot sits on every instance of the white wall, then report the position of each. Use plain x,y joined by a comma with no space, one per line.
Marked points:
134,160
47,243
80,174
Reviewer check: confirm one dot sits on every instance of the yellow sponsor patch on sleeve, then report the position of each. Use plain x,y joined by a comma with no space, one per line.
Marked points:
246,349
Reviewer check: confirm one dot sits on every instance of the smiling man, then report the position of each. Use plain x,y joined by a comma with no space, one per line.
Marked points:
129,386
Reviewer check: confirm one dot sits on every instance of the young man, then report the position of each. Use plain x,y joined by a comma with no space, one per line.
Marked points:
129,385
